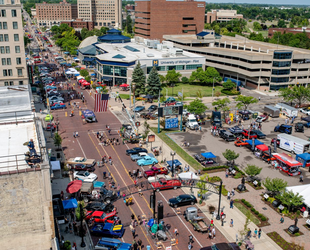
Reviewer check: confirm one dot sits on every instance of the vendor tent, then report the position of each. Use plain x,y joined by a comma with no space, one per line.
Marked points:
262,147
124,85
176,163
55,165
208,155
303,190
85,83
74,186
188,176
68,204
304,159
256,142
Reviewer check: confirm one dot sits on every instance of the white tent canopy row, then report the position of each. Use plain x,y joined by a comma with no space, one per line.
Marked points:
303,190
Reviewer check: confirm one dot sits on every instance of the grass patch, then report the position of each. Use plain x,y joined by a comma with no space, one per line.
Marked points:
175,147
244,210
124,96
190,90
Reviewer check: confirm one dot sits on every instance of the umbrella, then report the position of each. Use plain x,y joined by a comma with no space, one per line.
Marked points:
124,85
68,204
93,74
74,186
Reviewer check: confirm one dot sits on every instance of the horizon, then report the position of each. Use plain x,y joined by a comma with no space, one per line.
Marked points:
264,2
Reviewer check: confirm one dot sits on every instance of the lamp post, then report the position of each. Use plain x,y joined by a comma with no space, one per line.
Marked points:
212,89
133,89
81,225
172,153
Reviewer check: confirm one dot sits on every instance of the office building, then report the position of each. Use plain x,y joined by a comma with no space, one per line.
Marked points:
222,16
155,18
253,64
105,13
294,31
49,14
79,24
13,61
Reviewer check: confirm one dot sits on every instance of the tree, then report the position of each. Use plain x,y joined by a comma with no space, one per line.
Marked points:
185,80
84,72
26,41
202,185
138,77
199,94
298,94
281,23
162,80
245,101
229,85
87,78
275,186
57,140
230,156
173,77
146,128
257,26
153,83
290,199
252,171
205,77
222,104
197,107
128,24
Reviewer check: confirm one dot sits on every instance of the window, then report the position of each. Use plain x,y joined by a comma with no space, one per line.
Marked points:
281,64
1,37
188,18
6,83
282,55
2,49
281,71
15,25
19,72
14,13
5,72
8,61
3,61
17,49
10,72
3,13
11,83
0,26
7,49
6,37
18,60
279,79
12,1
194,66
16,37
5,25
21,83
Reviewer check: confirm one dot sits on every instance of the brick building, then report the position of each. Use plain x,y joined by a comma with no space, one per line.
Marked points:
271,31
49,14
222,16
79,24
155,18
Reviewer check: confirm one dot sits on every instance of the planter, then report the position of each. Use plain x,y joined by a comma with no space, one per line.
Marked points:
253,186
282,242
293,235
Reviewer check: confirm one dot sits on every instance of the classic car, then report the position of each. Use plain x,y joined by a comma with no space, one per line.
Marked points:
100,216
81,160
158,177
261,118
163,184
56,98
305,111
199,158
135,151
299,127
147,160
272,142
83,167
100,206
283,129
140,155
154,171
58,106
152,108
49,118
249,134
240,142
138,109
110,243
182,200
260,134
108,229
85,176
50,126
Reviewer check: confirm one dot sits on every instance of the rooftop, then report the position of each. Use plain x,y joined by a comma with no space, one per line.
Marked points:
88,41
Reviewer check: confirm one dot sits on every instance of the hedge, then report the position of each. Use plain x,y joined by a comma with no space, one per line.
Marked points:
229,92
249,205
216,167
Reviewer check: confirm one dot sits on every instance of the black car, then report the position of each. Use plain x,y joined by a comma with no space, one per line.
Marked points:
152,108
100,206
107,195
182,200
283,129
260,134
236,130
135,151
226,135
199,158
83,167
299,127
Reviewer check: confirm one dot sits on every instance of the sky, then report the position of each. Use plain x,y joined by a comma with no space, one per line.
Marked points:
280,2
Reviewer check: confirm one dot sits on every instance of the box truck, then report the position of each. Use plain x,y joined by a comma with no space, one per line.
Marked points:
287,110
293,144
272,111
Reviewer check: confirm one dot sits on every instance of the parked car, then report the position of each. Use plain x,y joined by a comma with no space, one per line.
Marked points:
163,184
109,243
100,216
147,160
107,196
155,171
49,118
100,206
83,167
58,106
261,118
138,109
82,160
299,127
226,135
152,108
249,134
305,111
50,127
85,176
182,200
283,129
199,158
135,151
135,157
240,142
272,142
306,124
108,230
56,98
260,134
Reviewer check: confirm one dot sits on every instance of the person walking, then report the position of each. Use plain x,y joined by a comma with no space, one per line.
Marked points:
77,134
301,178
249,234
255,233
133,231
176,232
74,133
190,238
259,233
139,244
213,233
228,195
233,192
226,173
231,203
134,245
231,223
282,219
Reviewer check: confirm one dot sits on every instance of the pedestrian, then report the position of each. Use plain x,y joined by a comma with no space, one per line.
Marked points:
282,219
213,233
70,228
301,178
176,232
227,173
104,175
258,98
72,214
190,238
190,246
249,234
231,203
74,246
211,223
255,233
231,223
134,245
136,183
233,192
259,233
109,175
236,238
148,247
77,134
228,195
133,231
75,228
139,244
129,172
74,133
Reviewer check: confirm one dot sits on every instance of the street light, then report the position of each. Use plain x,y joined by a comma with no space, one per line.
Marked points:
172,153
133,88
212,89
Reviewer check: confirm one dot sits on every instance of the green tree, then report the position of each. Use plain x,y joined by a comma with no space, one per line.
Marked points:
197,107
213,75
275,186
138,77
245,101
229,85
281,23
84,33
185,80
230,156
205,77
153,83
173,77
57,140
162,80
84,72
146,128
290,199
199,94
26,41
202,186
129,24
87,78
298,94
252,171
257,26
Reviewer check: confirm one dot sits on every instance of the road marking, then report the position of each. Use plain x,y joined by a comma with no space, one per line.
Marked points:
81,147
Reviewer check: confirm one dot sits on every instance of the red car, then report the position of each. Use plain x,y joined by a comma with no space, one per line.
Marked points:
60,103
246,134
50,126
36,57
166,184
83,167
50,45
154,171
38,61
272,142
100,216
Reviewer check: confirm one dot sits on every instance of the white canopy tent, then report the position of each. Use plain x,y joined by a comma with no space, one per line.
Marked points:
188,176
55,165
303,190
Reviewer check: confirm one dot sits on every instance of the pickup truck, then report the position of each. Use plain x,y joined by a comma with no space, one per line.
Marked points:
154,171
249,134
158,177
140,155
163,184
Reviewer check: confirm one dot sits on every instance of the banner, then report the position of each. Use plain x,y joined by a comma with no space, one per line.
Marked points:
171,123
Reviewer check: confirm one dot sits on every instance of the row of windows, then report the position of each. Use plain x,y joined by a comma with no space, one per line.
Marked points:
281,64
3,13
175,67
11,83
9,72
108,70
279,79
6,49
5,38
4,25
7,61
280,72
2,1
282,55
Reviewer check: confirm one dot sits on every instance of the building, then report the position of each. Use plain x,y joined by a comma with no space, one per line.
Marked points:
33,12
294,31
105,13
153,19
87,51
13,61
253,64
116,57
49,14
79,24
27,220
222,16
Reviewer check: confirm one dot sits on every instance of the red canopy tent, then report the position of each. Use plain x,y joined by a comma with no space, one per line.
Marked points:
85,83
286,159
74,186
124,85
262,147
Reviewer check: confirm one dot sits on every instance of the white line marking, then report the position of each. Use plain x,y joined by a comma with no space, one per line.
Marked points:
81,147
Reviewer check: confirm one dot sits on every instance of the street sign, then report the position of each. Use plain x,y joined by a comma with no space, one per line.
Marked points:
138,124
170,110
151,138
180,94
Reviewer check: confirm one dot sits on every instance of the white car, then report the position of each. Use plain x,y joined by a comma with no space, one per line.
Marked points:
85,176
56,99
305,111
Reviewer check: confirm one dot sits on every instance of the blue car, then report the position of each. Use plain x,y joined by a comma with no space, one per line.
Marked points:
283,129
147,160
138,109
58,106
108,229
107,243
307,124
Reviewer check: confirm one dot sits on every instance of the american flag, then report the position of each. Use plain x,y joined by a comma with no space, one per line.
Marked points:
101,102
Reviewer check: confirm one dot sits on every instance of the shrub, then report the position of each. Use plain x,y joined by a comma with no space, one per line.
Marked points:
230,92
297,234
224,191
243,200
263,218
259,184
216,167
237,175
253,209
260,216
256,212
271,199
214,179
298,212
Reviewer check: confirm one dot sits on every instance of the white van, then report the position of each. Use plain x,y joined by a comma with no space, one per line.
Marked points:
293,144
287,110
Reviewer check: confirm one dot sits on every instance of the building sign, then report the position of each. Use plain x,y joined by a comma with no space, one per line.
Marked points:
155,63
177,62
171,123
170,110
151,138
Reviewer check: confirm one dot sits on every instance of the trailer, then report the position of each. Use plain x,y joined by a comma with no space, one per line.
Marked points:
198,222
272,111
293,144
287,110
